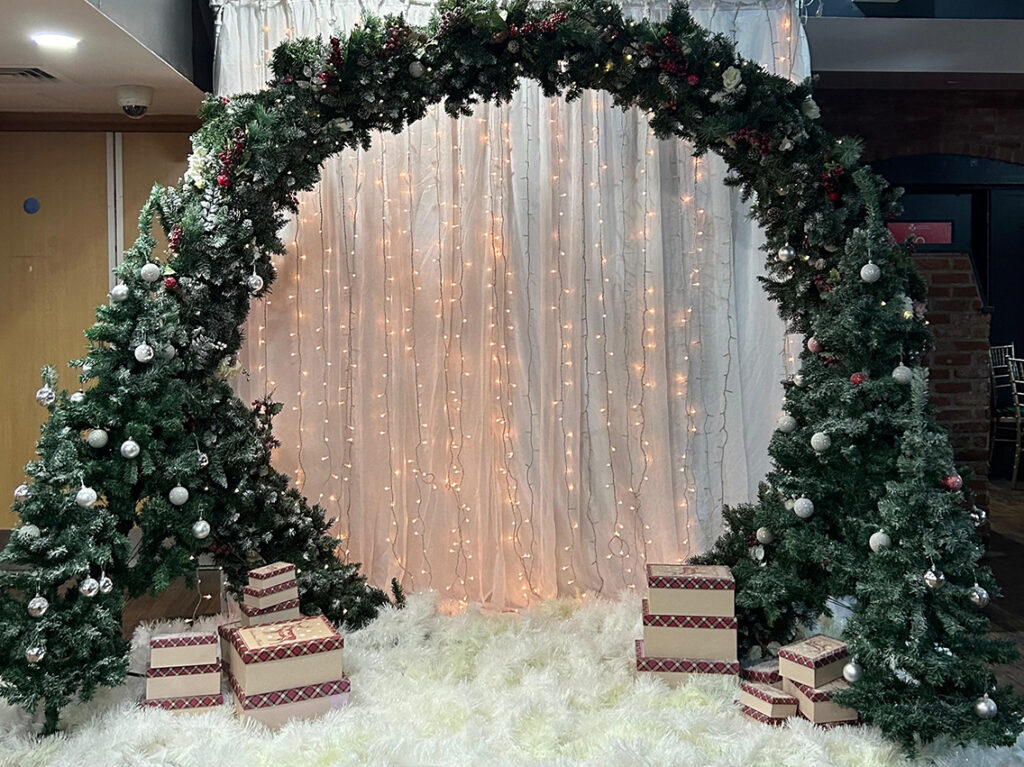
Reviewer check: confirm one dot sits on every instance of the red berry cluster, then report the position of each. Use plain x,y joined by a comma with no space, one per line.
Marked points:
336,59
755,138
674,64
170,282
219,549
174,238
396,38
547,26
858,378
448,21
230,158
830,180
822,284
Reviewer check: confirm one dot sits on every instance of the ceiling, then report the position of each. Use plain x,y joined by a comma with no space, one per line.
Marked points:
86,77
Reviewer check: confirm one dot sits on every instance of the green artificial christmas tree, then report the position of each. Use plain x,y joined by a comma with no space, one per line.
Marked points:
863,502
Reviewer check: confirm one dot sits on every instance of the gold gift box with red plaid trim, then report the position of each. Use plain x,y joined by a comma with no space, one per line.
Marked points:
676,671
277,707
284,655
691,590
774,704
254,616
190,649
711,637
815,661
182,681
815,703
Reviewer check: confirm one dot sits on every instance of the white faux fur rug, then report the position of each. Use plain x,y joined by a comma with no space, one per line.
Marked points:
555,686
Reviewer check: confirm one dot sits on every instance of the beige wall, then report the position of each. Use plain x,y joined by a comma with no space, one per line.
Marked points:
55,264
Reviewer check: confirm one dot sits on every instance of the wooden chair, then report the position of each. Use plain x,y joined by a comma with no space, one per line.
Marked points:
1009,421
1000,398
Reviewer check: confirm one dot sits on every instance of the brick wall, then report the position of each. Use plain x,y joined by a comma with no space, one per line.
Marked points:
959,364
898,123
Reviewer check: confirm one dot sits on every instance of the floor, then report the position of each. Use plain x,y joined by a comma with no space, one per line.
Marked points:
1006,558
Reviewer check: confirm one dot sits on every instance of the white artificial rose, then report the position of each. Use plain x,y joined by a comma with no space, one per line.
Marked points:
810,108
785,145
731,79
198,163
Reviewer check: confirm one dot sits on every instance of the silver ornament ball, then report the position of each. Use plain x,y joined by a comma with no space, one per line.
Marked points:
77,398
786,424
787,253
756,553
168,352
202,460
254,283
90,587
22,492
417,70
934,579
45,396
803,507
150,272
29,531
903,375
178,495
985,707
86,497
35,654
853,672
764,535
978,596
821,442
144,353
130,449
870,272
201,529
879,540
37,606
798,380
106,584
98,438
119,293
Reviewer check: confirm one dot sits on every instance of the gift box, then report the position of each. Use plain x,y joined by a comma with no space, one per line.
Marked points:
194,704
224,631
254,616
765,672
691,590
676,671
193,649
813,662
772,702
271,575
306,702
285,655
261,598
710,637
815,703
759,716
182,681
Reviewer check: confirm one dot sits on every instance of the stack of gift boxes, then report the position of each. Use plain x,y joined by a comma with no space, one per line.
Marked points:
272,595
184,673
802,681
689,623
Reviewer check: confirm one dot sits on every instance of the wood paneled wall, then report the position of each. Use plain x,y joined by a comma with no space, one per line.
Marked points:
55,263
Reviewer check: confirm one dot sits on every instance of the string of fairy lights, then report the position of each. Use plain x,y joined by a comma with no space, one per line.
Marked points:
505,367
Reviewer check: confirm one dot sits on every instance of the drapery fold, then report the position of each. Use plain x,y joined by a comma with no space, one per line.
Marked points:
524,352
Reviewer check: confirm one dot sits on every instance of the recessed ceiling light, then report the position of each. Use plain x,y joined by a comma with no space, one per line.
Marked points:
55,41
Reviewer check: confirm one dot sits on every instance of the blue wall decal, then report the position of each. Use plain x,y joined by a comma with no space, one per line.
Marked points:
31,205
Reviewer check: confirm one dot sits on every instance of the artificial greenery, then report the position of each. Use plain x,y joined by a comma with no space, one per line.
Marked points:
924,652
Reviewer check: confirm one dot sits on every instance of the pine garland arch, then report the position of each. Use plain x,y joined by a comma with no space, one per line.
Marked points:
823,216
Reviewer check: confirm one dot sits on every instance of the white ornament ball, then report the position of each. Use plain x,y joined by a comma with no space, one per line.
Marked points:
821,442
119,293
787,253
985,707
86,497
45,396
150,272
853,672
29,531
978,596
901,374
803,507
870,272
37,606
798,380
77,398
90,587
201,529
417,70
786,424
254,283
178,495
764,535
879,540
106,584
98,438
130,449
22,492
934,579
35,654
168,352
144,353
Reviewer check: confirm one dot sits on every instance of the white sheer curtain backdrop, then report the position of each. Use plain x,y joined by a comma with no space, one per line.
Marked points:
522,353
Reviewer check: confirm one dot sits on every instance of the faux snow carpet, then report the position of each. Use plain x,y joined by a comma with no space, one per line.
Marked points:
553,686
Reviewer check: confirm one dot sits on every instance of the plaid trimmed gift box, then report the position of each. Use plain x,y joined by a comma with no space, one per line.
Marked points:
760,716
813,662
765,672
182,681
261,598
253,616
767,700
676,671
815,703
286,654
191,649
689,636
193,704
278,706
271,575
691,590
